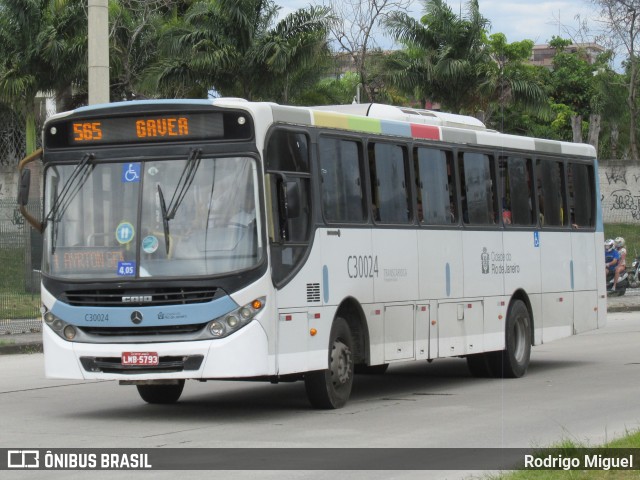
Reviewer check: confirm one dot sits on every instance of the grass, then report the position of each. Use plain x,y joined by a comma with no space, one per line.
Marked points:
565,448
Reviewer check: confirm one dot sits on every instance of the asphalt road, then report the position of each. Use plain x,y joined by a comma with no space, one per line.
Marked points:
585,388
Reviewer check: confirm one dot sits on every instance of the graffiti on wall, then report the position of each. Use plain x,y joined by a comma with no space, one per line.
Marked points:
620,193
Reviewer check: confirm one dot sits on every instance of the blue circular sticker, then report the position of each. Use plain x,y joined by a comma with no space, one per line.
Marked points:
150,244
125,232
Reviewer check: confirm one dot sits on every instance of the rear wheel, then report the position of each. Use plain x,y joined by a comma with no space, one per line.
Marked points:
329,389
513,361
161,394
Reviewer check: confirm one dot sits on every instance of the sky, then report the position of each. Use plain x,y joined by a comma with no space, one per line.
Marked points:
517,19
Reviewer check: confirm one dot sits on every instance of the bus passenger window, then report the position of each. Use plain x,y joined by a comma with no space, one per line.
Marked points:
477,189
551,193
340,170
435,186
389,183
516,179
581,208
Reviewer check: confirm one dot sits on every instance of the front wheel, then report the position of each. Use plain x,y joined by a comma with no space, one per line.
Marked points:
330,389
161,394
513,361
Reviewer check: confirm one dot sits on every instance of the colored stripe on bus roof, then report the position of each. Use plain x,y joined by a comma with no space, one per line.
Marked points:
374,125
425,131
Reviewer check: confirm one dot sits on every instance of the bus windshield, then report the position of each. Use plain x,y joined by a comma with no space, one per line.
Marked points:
113,225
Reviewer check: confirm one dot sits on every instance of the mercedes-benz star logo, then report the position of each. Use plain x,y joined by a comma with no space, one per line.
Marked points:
136,317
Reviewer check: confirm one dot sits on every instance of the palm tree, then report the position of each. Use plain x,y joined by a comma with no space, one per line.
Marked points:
448,59
232,46
445,57
39,53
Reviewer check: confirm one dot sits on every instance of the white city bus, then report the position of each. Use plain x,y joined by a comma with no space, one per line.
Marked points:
227,239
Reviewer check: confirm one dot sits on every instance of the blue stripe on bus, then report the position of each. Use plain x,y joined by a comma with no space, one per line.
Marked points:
447,274
153,316
571,273
599,221
325,284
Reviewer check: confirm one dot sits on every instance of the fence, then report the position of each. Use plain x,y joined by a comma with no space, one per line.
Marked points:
20,252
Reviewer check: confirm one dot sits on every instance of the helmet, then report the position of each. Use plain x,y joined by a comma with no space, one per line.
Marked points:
619,241
608,245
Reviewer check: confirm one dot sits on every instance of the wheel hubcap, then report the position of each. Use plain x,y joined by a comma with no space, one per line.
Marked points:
340,363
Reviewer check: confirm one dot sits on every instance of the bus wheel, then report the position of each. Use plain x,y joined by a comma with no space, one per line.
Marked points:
329,389
162,394
513,361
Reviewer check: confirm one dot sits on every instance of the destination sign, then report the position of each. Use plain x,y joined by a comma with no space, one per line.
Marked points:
132,129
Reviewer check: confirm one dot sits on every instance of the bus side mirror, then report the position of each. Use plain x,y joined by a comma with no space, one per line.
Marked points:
292,199
23,189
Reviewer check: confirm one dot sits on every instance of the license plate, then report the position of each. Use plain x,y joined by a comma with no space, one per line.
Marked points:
140,358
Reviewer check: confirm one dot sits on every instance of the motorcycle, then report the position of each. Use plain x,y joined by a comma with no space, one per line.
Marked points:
621,287
634,273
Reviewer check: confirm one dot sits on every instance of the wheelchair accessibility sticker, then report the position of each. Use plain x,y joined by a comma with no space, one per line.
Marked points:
125,233
130,172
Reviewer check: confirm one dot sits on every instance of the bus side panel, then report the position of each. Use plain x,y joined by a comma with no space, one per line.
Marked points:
522,271
557,295
396,259
440,264
483,257
299,302
585,315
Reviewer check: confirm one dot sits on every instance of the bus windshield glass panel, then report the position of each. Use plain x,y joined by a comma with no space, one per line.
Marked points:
112,225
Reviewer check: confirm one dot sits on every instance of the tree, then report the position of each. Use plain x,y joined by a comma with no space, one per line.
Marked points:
38,53
353,28
445,55
134,33
622,19
234,48
449,59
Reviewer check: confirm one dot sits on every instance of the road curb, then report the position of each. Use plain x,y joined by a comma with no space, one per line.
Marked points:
29,347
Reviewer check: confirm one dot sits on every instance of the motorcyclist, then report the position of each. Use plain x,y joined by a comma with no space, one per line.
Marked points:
622,261
611,257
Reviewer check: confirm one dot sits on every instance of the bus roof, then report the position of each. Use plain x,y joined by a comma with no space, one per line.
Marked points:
421,124
381,119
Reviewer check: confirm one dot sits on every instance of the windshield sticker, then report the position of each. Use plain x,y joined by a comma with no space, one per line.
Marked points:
130,172
153,171
150,244
125,233
126,269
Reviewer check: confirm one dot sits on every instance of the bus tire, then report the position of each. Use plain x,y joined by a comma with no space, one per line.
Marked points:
161,394
513,361
371,369
330,389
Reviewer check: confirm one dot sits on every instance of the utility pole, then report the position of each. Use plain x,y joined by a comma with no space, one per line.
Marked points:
98,30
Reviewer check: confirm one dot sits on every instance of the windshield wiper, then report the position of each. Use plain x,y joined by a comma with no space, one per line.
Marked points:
69,190
184,182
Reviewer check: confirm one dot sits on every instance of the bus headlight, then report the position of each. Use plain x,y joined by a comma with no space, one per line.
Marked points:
69,332
216,328
62,328
236,319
